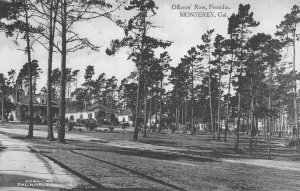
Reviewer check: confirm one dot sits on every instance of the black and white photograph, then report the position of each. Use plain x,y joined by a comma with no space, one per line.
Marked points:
149,95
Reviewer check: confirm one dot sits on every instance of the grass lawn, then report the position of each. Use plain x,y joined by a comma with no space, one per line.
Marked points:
184,163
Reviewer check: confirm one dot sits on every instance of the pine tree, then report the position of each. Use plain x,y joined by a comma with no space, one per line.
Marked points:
287,30
238,27
140,44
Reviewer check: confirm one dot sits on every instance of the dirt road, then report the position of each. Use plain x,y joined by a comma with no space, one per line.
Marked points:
21,169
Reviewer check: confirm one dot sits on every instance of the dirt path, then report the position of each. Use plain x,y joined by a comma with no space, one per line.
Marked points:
275,164
20,169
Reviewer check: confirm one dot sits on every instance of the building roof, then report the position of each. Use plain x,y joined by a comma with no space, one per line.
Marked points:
126,112
100,107
24,100
76,111
93,107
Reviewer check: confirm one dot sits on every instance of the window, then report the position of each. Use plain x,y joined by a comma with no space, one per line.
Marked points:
90,116
129,118
81,116
72,118
43,100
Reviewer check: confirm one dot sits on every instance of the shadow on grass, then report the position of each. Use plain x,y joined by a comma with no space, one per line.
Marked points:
174,187
159,142
208,148
116,189
2,148
98,141
31,138
160,155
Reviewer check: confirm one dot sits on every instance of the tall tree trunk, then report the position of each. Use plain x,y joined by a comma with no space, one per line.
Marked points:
210,98
269,118
219,104
150,112
62,108
268,137
239,94
283,122
182,117
238,124
185,113
256,117
156,110
136,127
264,128
248,117
280,122
52,23
192,102
2,104
295,89
160,107
227,101
236,148
28,51
176,117
145,108
256,126
252,118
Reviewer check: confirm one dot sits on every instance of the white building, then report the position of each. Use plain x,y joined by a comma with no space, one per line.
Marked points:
91,113
126,117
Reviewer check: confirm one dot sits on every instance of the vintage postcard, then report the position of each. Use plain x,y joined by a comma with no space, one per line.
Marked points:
149,95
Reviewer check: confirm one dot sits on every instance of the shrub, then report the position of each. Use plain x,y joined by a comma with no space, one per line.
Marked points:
11,118
44,120
37,120
291,143
111,129
71,125
90,124
125,125
81,121
106,123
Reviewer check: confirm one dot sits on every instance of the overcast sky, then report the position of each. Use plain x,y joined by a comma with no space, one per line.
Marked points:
183,31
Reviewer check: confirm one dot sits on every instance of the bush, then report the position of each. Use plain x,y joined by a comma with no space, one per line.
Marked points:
71,125
291,143
90,124
106,123
11,118
125,125
111,129
81,121
37,120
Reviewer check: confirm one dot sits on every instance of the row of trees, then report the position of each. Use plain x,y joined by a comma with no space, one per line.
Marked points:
101,90
49,23
255,65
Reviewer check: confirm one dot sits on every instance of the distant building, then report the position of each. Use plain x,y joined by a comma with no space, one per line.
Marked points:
92,112
8,106
39,107
126,116
155,117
